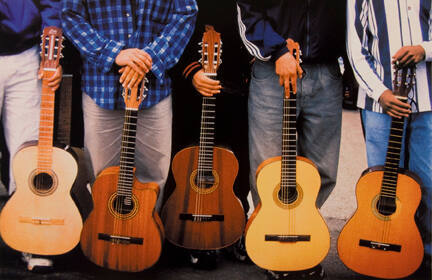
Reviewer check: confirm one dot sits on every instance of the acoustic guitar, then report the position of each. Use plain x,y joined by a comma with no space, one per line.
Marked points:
124,232
381,239
41,217
203,212
286,231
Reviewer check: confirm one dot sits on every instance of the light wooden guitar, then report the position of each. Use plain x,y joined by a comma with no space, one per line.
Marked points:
381,239
41,217
286,232
124,232
203,212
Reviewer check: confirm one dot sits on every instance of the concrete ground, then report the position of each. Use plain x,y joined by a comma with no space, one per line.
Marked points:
173,263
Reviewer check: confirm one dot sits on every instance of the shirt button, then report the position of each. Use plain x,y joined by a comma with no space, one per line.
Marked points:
129,35
127,14
409,8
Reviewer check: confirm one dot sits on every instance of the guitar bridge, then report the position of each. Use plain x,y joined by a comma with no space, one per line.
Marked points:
287,238
117,239
41,221
201,217
380,245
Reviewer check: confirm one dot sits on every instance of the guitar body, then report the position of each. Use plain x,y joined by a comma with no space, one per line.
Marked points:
368,224
104,224
217,200
47,221
298,218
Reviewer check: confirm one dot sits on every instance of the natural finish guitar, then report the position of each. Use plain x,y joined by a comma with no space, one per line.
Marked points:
203,212
124,232
381,239
41,217
286,232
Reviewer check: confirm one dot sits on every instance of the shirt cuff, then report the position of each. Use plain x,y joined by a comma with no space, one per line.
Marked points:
280,53
109,54
377,92
157,67
427,46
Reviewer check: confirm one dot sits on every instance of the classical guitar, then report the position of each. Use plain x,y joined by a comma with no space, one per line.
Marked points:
41,217
124,232
381,239
203,212
286,231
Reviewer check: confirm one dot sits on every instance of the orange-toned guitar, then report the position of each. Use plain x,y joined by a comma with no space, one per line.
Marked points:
124,232
203,212
41,217
286,231
381,239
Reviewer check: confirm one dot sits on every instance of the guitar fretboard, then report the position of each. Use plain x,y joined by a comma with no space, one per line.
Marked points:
127,155
289,144
208,114
389,183
46,125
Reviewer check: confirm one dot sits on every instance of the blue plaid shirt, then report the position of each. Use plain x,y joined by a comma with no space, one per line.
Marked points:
100,29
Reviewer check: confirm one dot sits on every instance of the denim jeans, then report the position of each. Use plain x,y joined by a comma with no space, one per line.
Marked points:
418,139
319,114
20,93
103,135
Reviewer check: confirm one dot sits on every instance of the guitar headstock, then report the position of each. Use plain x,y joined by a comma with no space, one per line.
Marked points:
404,80
294,49
51,47
211,50
132,97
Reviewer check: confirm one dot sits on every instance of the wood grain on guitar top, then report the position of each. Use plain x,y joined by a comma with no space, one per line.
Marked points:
397,229
216,200
44,224
275,218
142,224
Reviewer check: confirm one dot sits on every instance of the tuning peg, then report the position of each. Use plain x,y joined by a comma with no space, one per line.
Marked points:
199,51
61,55
200,44
200,60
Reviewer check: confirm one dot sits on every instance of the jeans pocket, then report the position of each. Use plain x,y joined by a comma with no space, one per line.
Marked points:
262,70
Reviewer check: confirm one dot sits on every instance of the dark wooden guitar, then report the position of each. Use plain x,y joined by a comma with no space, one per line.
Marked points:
381,239
287,232
41,217
124,232
203,212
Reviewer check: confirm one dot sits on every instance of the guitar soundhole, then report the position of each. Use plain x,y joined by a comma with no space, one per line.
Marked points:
43,182
386,206
123,205
288,196
205,179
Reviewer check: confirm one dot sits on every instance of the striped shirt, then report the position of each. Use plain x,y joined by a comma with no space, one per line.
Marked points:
377,29
100,29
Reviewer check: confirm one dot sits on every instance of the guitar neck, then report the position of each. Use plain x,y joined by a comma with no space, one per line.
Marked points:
46,124
289,143
206,144
389,183
127,154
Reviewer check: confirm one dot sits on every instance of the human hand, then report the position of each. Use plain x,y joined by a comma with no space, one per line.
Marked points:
55,80
137,59
205,85
393,106
288,70
408,55
129,77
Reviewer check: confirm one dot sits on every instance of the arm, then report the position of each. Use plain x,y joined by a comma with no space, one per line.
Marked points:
50,12
257,33
167,48
91,44
362,61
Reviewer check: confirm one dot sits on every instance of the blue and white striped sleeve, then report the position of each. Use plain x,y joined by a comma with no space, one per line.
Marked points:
167,48
362,61
90,43
427,42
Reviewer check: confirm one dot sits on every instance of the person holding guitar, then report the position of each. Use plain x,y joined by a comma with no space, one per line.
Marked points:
381,38
134,38
318,27
190,84
20,75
